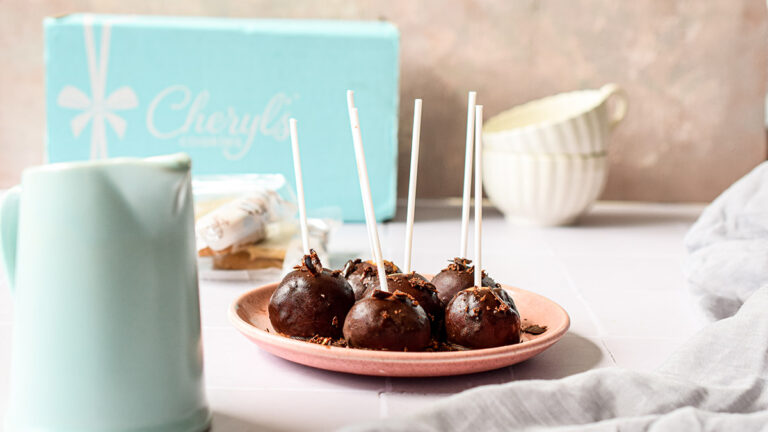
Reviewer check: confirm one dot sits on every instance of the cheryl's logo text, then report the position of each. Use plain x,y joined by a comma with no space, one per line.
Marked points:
186,118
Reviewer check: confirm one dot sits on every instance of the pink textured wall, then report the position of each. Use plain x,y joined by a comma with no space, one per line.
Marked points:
695,73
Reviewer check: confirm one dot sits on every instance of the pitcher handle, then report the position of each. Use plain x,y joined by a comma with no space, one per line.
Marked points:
621,104
9,223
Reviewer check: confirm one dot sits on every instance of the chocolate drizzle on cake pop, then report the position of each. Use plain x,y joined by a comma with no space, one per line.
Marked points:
482,318
459,275
311,301
388,321
361,273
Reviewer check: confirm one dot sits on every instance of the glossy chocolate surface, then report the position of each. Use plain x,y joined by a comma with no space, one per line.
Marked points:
421,290
482,318
459,275
311,301
360,273
384,321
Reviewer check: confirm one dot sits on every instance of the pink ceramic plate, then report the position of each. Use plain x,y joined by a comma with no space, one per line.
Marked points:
249,315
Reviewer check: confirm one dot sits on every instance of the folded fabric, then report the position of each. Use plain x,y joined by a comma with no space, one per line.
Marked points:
728,246
716,382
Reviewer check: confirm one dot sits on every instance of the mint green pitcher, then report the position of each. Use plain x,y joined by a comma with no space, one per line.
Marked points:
106,334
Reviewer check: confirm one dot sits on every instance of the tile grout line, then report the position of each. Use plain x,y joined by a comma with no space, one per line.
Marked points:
610,353
693,310
383,404
511,370
550,248
572,285
600,330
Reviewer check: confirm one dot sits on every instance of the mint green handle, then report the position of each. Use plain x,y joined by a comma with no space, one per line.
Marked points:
9,224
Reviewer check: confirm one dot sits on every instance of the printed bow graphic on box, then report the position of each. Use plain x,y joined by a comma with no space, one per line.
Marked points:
98,108
222,91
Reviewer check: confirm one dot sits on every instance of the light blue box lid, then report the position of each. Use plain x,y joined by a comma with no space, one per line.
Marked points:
222,90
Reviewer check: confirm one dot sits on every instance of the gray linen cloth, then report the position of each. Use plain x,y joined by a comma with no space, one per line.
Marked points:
728,246
716,382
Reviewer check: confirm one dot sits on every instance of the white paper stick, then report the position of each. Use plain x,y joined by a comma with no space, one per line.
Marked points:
299,186
350,108
467,195
415,138
365,191
478,195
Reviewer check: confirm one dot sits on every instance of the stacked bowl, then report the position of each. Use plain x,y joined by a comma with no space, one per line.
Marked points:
545,162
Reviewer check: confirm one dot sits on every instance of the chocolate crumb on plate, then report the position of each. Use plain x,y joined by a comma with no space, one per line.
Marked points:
534,329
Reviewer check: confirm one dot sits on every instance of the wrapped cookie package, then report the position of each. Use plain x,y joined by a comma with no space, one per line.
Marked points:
246,227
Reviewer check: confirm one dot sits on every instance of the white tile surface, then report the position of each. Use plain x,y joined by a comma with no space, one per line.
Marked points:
635,313
643,354
618,275
618,229
571,355
239,410
232,361
215,299
448,385
395,404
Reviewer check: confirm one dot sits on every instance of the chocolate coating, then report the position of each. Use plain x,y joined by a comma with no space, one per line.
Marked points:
418,276
311,301
481,318
459,275
504,295
384,321
420,289
359,273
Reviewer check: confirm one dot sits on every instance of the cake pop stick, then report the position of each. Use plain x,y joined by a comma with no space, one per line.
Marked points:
365,190
415,137
299,186
478,195
350,108
467,175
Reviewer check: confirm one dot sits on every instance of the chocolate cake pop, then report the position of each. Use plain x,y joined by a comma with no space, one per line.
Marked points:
457,276
387,321
311,301
482,318
421,290
359,273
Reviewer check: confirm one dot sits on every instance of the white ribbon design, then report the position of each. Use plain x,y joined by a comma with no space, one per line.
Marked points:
98,107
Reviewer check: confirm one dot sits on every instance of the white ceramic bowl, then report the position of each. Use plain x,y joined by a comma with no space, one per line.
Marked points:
543,190
577,122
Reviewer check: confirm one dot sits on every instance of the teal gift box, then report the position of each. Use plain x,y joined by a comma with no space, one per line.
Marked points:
222,90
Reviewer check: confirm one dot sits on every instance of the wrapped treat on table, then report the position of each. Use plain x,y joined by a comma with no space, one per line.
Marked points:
238,222
246,227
